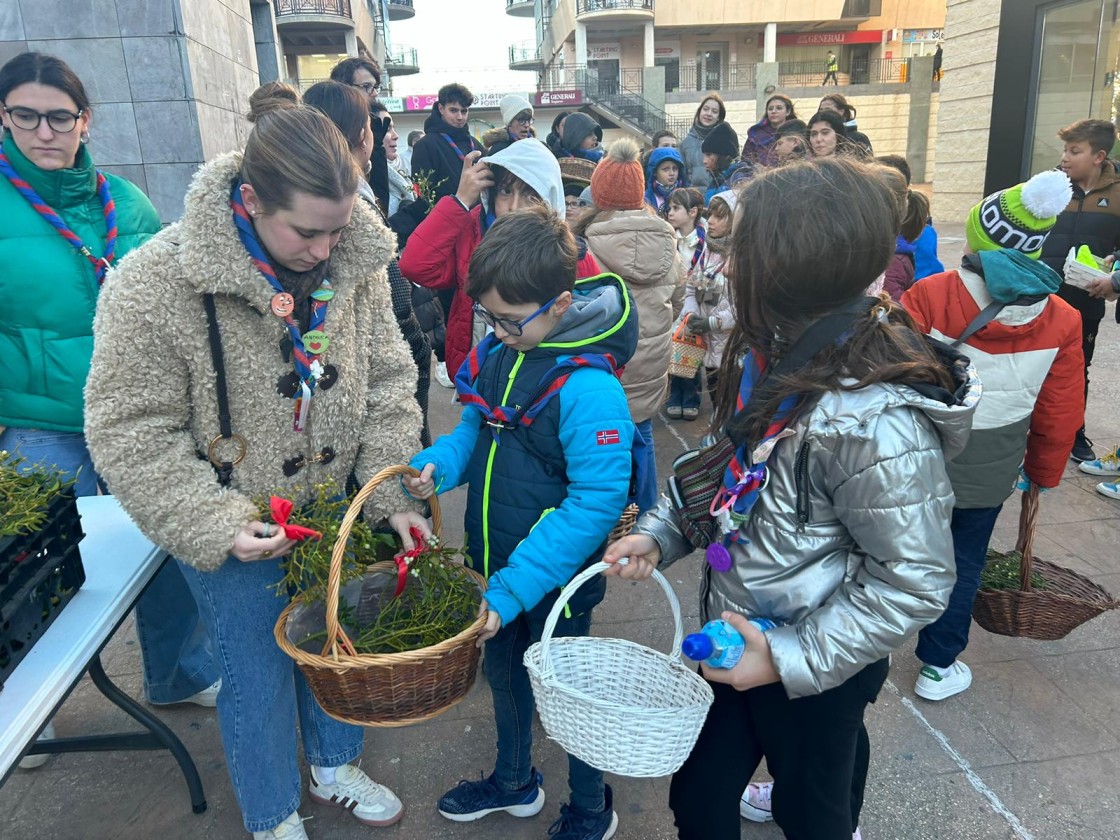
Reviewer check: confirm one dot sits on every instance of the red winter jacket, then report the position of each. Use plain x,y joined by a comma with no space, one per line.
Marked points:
438,256
1032,370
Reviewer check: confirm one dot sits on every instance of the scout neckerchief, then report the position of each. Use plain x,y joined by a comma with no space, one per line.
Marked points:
512,417
306,348
698,251
100,264
453,145
746,474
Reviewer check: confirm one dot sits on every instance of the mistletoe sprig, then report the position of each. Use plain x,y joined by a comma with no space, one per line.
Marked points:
1001,573
26,496
307,568
436,602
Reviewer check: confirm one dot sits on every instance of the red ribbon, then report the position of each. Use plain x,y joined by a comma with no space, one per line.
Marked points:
281,510
403,558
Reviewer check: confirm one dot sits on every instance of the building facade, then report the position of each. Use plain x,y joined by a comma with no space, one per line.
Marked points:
316,34
1016,71
170,81
715,46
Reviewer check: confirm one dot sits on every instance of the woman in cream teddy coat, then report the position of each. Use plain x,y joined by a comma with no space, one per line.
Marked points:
153,413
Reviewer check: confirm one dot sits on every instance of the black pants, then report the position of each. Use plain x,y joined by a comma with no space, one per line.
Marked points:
1091,310
816,748
831,74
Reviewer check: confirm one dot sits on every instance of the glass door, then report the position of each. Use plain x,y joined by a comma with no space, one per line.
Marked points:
1077,75
709,66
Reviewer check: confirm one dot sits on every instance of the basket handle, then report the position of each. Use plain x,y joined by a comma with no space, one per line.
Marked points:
1028,525
336,636
582,578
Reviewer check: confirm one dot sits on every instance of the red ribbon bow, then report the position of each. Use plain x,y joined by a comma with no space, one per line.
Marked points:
403,558
281,510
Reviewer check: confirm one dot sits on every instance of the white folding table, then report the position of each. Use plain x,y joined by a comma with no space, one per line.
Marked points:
119,563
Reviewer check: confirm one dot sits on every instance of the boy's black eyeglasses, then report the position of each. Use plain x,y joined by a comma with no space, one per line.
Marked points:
369,88
61,121
509,326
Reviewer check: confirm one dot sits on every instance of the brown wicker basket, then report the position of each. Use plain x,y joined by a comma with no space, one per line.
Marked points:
388,689
625,524
1068,601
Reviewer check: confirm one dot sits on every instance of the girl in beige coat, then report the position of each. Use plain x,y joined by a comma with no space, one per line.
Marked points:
626,238
153,420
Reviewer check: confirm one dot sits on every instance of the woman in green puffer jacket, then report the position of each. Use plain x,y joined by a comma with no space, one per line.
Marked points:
65,225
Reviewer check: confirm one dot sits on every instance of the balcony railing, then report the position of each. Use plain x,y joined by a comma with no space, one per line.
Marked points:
520,8
857,72
338,8
401,10
587,7
402,61
524,56
731,77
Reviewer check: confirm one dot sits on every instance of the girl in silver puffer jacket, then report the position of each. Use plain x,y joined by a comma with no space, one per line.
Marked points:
835,508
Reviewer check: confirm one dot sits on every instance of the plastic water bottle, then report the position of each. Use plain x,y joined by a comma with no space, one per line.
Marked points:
719,644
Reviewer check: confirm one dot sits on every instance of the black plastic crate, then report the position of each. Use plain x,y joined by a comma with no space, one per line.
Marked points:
39,574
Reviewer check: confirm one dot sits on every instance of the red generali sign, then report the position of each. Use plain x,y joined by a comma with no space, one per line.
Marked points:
828,39
555,98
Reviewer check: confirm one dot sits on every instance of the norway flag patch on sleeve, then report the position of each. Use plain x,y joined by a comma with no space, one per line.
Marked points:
608,437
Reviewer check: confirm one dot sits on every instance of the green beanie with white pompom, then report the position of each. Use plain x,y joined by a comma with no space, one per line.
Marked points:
1020,217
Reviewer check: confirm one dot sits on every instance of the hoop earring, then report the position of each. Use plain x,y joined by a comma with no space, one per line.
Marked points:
84,138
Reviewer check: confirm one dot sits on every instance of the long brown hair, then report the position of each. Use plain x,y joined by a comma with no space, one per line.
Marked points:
808,238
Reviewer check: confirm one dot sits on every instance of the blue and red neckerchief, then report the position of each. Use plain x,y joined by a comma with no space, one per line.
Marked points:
306,347
100,264
509,417
744,478
455,146
698,251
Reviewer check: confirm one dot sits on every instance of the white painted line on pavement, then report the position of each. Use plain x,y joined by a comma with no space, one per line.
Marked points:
685,446
962,762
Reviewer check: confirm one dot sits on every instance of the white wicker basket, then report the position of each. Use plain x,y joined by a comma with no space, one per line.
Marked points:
1080,275
615,704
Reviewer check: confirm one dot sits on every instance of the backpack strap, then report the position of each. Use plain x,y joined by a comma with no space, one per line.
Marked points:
990,312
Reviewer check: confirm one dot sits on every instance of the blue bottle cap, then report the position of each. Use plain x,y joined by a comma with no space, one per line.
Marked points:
718,557
697,646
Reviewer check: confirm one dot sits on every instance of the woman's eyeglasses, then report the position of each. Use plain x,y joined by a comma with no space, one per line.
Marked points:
509,326
60,121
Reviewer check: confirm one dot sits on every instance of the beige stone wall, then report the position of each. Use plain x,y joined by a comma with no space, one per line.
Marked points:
965,109
931,148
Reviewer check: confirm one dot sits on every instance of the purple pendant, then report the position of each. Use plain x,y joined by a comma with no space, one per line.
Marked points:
718,557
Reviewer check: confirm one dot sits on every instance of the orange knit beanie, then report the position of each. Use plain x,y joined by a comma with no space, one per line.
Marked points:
618,182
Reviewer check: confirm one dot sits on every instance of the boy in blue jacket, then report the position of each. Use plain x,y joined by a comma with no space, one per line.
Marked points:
544,449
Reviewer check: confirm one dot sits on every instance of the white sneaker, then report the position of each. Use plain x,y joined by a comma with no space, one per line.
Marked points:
369,802
755,802
933,685
441,375
33,762
1110,489
208,697
1105,465
290,829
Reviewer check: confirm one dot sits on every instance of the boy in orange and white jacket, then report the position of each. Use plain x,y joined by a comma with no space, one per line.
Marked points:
1028,355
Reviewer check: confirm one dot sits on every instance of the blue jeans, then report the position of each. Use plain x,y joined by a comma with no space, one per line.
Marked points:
943,641
263,693
645,462
504,667
685,392
173,644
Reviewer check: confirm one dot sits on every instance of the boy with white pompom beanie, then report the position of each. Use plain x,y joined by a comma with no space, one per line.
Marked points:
1001,309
